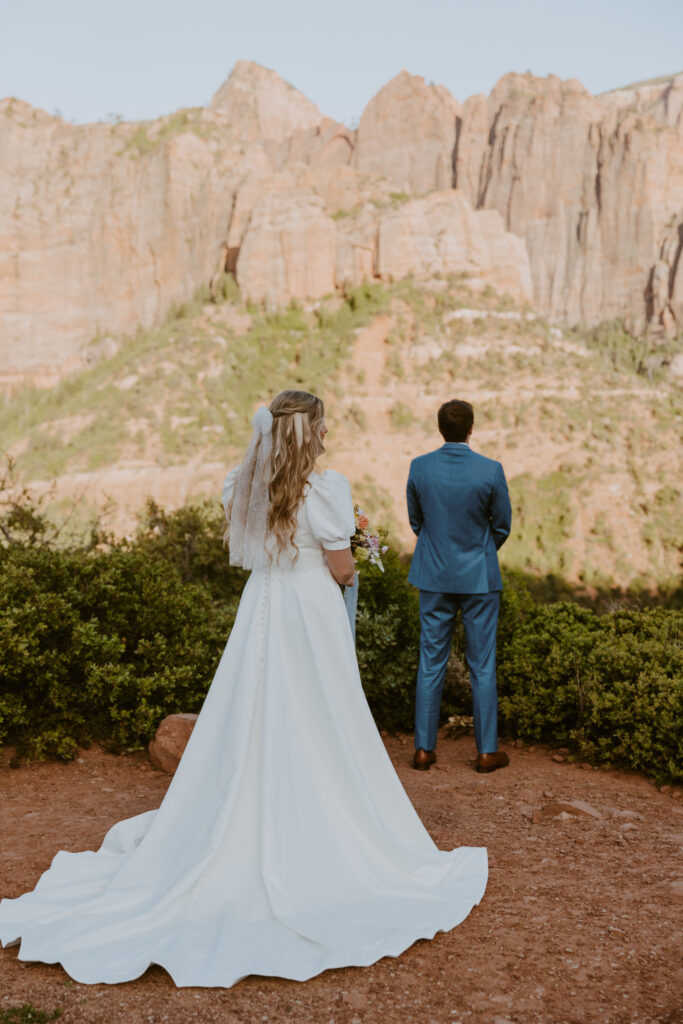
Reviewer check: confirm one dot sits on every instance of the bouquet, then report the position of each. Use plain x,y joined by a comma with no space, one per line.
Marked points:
367,546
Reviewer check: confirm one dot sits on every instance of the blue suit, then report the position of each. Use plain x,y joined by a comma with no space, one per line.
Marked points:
458,506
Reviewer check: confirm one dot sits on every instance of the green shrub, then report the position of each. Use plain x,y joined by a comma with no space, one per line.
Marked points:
608,686
225,289
191,540
387,639
99,647
542,522
401,416
100,642
27,1014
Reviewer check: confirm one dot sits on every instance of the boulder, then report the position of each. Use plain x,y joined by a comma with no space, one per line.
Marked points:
170,740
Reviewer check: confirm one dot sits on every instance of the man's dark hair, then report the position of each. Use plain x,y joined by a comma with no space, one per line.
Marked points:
455,420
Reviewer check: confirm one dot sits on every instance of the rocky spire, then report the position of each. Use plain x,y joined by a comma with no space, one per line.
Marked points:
261,105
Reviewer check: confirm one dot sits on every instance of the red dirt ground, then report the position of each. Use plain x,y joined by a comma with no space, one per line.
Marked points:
579,924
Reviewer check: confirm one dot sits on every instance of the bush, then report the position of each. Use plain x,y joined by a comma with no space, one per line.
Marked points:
27,1014
610,687
387,640
191,540
99,647
101,642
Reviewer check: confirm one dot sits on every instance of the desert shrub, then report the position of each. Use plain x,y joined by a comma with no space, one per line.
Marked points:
618,347
401,416
101,642
542,522
608,686
27,1014
99,647
664,523
191,540
225,289
387,640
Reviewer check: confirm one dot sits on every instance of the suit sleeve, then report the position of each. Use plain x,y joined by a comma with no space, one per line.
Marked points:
501,511
415,515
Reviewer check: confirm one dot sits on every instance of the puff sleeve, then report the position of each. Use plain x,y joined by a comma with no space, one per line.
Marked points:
330,510
229,486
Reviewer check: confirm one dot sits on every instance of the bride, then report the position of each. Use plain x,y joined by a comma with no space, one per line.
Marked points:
285,843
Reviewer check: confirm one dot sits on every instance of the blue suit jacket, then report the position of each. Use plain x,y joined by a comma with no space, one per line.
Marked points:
458,506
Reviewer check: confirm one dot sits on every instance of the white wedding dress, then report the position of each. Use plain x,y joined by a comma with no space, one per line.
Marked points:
285,843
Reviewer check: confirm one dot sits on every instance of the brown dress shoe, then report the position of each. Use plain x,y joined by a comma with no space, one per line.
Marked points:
423,759
489,762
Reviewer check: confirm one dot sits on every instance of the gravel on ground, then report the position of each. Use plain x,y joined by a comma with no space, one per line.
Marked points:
580,923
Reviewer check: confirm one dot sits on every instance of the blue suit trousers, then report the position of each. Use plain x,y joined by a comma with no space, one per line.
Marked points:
437,619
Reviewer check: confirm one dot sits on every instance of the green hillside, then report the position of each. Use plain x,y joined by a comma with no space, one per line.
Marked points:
586,422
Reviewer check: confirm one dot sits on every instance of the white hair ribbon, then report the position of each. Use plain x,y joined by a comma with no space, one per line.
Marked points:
298,419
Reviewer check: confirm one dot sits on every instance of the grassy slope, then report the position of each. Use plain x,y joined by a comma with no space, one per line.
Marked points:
586,423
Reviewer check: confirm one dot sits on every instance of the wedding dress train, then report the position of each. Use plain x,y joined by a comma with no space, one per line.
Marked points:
285,843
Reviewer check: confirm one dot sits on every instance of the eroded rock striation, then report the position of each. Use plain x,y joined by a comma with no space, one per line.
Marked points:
103,227
593,185
593,190
572,201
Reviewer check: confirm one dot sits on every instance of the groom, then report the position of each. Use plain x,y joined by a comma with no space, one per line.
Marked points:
458,506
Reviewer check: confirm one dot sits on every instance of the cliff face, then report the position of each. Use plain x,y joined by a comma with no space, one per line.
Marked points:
594,185
102,227
260,106
662,99
594,189
408,133
572,201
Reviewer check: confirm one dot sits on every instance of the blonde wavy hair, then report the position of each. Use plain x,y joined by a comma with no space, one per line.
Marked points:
297,442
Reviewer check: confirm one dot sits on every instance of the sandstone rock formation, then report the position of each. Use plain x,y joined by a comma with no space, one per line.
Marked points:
259,105
170,740
288,250
591,190
662,99
408,133
591,185
104,227
441,235
293,249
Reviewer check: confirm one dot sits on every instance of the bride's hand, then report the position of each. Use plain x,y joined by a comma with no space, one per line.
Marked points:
342,566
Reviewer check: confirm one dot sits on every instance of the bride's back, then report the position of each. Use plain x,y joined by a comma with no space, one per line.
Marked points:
325,520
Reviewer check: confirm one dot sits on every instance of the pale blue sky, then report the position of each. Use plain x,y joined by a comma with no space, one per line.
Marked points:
144,58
